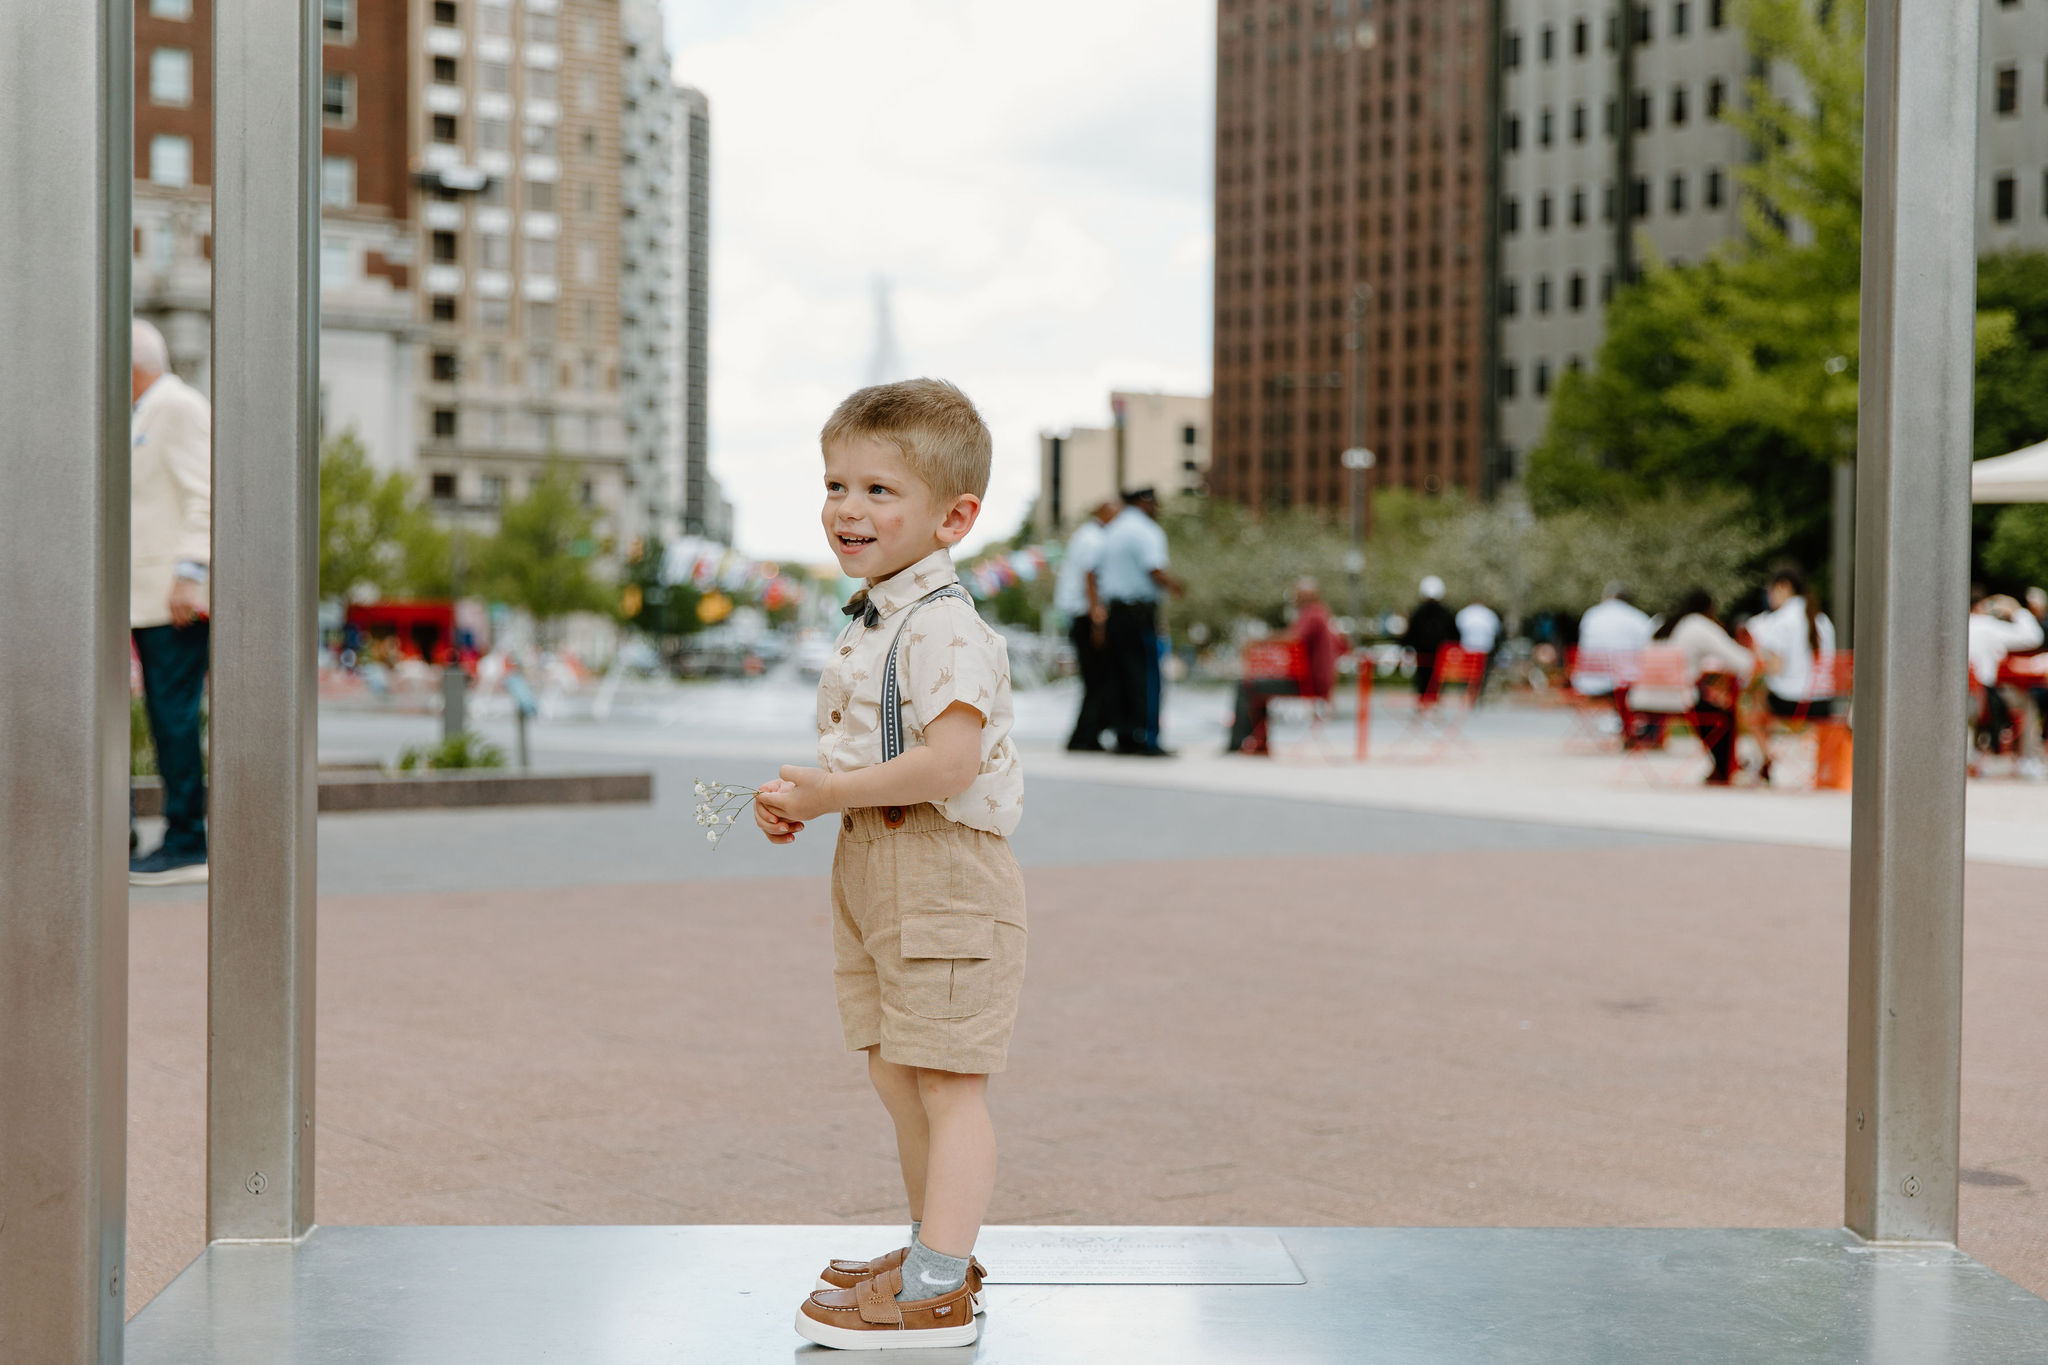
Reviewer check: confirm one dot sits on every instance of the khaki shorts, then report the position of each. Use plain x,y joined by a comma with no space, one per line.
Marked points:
927,938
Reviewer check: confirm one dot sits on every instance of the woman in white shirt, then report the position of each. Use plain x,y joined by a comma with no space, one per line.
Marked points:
1717,666
1797,645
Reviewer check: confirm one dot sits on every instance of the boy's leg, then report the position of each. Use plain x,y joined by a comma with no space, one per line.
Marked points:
960,1169
898,1089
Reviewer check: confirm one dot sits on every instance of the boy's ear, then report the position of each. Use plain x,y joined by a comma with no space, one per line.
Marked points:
959,519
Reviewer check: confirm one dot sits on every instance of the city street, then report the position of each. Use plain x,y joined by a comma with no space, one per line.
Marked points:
1257,996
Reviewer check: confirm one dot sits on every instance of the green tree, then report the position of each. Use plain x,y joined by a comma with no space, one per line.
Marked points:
544,555
2016,556
375,537
665,611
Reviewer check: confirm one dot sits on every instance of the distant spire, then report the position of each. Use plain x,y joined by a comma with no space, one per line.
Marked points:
886,362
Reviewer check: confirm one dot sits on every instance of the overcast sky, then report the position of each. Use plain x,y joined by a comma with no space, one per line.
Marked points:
1033,176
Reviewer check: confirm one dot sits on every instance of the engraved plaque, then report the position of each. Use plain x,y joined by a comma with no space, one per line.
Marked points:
1112,1255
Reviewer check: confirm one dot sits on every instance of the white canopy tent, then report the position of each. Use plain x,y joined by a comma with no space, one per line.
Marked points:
2019,477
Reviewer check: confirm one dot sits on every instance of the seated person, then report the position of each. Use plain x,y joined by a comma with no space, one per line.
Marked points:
1999,626
1319,649
1717,668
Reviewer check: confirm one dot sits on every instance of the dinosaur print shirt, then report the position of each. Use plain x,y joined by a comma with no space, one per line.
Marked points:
949,654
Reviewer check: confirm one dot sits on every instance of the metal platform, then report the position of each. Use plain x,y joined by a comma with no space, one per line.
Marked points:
1400,1296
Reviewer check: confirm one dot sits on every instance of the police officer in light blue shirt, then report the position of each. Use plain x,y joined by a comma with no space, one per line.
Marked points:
1124,588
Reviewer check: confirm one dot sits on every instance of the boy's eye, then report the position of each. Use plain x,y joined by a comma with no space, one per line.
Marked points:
878,488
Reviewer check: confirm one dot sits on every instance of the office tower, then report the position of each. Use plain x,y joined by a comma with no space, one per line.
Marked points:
1154,440
366,239
1351,147
664,186
517,140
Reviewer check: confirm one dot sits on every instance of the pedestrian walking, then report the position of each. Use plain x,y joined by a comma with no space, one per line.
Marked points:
170,540
1479,635
1430,627
914,752
1130,575
1091,656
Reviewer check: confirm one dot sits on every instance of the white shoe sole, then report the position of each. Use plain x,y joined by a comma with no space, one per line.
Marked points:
849,1339
826,1284
190,875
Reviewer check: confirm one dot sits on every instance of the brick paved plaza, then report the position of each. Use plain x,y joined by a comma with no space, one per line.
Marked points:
1241,1010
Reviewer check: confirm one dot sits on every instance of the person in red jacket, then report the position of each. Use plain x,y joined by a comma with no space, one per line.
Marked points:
1316,677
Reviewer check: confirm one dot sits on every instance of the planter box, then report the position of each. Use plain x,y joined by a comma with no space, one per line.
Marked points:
371,791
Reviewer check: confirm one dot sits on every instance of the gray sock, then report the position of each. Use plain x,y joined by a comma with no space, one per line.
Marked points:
916,1226
928,1274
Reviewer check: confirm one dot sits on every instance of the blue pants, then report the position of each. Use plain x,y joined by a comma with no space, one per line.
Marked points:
173,684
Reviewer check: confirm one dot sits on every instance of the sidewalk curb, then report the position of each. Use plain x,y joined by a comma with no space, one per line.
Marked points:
377,791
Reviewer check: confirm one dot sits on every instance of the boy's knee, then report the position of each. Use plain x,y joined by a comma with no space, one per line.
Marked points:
948,1086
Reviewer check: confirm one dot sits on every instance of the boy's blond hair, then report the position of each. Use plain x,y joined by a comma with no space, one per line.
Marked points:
942,437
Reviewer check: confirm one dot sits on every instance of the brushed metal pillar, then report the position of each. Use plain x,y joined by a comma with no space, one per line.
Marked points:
266,300
1912,556
66,96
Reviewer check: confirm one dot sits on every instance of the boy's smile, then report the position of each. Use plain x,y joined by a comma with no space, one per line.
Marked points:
879,516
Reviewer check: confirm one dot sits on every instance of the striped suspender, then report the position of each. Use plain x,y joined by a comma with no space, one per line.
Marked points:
892,696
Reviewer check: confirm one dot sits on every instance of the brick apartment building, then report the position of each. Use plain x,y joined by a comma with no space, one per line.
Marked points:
1351,149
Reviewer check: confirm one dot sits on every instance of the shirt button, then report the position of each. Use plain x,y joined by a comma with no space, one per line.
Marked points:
846,651
846,823
835,717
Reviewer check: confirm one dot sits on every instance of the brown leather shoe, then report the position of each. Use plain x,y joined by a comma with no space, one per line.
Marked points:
848,1274
868,1318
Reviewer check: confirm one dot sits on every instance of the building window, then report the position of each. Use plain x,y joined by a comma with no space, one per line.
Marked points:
1578,123
2006,84
446,72
1543,293
1511,49
445,252
1678,106
1543,128
1716,13
446,368
338,181
1575,292
1543,213
587,142
1507,379
1578,208
1510,215
1717,94
495,18
444,13
443,128
1548,42
493,134
337,262
443,308
540,319
494,315
337,99
170,76
1542,383
1712,192
1511,133
444,423
1642,117
170,160
1579,36
170,9
442,487
540,256
496,77
1644,29
540,196
338,21
586,262
493,251
494,489
1677,200
540,139
540,84
1510,298
1679,16
2004,199
540,373
1640,198
543,28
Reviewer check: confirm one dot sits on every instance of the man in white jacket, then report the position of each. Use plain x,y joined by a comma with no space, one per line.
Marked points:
170,536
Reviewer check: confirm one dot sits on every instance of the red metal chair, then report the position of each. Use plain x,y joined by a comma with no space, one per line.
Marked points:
1272,660
1663,688
1593,713
1811,748
1435,723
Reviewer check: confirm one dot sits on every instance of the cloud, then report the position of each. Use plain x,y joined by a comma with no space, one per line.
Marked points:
1033,179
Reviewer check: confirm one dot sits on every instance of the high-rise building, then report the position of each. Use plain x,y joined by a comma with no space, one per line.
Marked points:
1593,185
664,186
1155,440
368,333
517,140
1351,150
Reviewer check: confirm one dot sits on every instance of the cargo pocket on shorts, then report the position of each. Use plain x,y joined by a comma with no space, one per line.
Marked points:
946,964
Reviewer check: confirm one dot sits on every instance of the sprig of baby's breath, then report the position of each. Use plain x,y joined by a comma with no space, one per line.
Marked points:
718,805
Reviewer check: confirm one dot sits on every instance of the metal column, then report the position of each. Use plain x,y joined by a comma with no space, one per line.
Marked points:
1912,554
66,96
266,317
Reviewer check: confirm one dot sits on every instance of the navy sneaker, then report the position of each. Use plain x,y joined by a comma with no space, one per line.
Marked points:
165,868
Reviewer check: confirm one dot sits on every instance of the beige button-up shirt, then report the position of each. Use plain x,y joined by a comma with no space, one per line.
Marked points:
948,654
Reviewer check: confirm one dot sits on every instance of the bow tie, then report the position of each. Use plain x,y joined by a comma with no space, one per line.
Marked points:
858,605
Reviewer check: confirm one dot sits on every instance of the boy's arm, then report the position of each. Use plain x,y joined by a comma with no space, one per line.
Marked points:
943,766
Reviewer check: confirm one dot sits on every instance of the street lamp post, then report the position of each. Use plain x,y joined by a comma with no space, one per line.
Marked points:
1358,459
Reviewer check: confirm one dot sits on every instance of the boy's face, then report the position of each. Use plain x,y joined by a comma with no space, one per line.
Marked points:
879,517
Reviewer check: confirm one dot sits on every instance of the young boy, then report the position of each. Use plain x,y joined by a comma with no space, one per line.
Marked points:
914,751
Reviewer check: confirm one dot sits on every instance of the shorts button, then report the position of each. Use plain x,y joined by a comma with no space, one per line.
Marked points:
846,823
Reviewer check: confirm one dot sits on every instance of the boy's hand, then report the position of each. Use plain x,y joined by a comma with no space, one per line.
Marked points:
770,822
801,794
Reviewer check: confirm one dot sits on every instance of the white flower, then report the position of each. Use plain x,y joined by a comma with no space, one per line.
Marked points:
712,835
